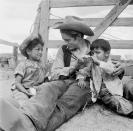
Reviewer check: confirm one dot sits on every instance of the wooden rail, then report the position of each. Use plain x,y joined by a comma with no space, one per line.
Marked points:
115,44
43,21
79,3
93,22
15,49
109,18
4,42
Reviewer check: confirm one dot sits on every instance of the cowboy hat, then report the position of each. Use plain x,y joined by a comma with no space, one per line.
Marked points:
74,23
26,42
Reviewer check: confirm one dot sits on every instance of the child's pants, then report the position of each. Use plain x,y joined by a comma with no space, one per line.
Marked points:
115,102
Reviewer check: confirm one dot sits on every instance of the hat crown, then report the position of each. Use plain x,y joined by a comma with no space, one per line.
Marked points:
70,19
74,23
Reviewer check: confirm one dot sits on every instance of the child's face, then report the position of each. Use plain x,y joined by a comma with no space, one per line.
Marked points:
101,55
36,53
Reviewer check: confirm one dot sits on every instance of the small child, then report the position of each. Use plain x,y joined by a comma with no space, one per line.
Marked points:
101,53
111,92
30,72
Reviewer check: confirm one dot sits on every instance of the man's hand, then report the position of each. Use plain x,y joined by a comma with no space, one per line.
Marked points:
119,68
28,94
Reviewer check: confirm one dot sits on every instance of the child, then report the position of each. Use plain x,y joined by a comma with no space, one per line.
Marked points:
111,92
29,73
101,53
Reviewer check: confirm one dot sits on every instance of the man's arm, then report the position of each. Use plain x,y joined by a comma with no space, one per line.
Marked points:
119,69
58,66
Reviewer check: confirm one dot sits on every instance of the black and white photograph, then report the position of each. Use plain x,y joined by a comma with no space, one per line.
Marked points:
66,65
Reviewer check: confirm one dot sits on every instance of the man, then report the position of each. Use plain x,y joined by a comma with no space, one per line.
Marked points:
72,32
58,100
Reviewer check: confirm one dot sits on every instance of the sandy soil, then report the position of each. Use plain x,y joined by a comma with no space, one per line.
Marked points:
96,118
6,80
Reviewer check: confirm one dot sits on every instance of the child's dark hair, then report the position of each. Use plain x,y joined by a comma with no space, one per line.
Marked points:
33,43
102,44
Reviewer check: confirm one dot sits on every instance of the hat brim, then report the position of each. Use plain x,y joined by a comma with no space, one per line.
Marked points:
76,26
24,45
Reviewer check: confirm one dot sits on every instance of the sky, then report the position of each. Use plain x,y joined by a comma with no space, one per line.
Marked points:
17,18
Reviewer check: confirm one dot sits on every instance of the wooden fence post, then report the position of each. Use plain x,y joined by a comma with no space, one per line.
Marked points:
112,15
15,55
44,27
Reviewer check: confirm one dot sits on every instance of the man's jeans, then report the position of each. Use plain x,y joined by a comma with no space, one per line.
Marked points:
68,105
64,97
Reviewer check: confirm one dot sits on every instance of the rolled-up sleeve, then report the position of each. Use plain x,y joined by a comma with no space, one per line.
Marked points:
20,69
105,66
58,62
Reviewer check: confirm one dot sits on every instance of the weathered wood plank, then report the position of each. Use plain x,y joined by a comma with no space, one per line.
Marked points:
77,3
37,22
15,48
15,55
115,44
121,44
112,15
43,28
4,42
93,22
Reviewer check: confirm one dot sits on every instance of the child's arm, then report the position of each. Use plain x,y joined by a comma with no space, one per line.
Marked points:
103,65
19,86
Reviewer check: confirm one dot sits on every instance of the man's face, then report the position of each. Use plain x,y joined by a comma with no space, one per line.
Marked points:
71,42
101,55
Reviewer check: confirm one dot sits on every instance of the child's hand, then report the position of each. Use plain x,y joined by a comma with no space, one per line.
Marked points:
82,84
54,76
81,60
95,60
29,94
32,91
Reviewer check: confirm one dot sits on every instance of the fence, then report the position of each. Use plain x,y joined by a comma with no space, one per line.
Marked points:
43,21
15,49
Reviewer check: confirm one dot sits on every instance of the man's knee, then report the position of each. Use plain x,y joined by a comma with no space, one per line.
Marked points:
129,86
128,90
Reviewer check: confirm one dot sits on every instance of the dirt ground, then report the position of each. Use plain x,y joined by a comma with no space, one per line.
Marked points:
6,80
96,118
